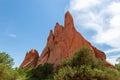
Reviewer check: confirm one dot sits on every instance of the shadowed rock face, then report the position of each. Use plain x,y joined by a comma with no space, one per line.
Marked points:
30,60
61,43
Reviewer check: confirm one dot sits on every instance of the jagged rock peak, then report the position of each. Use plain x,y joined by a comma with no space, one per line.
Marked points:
57,24
51,36
30,59
58,28
68,23
33,51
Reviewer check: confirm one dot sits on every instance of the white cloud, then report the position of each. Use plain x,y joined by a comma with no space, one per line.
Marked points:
82,4
101,16
115,21
114,8
112,50
12,35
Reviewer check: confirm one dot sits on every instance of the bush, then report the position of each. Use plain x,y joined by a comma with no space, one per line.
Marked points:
69,73
65,73
84,56
21,73
107,74
7,73
42,72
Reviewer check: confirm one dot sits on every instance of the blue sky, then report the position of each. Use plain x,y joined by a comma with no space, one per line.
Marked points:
25,24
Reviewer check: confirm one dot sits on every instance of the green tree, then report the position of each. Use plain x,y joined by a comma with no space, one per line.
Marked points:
6,59
42,72
6,70
7,73
21,73
84,56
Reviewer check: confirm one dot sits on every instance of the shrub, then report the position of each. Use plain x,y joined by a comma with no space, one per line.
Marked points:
44,71
7,73
69,73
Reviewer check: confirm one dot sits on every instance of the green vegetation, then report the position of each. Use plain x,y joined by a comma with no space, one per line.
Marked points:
6,59
21,73
6,70
84,56
82,66
42,72
85,66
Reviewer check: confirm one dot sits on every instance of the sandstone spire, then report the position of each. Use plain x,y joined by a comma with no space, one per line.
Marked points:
68,23
61,44
64,42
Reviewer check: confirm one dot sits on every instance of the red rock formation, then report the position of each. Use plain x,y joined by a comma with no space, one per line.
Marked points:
30,60
63,42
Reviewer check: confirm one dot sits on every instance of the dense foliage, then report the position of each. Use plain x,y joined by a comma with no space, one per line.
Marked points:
42,72
6,59
84,56
6,70
85,66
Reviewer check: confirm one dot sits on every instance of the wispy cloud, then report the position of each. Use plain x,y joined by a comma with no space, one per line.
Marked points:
112,59
78,5
101,16
112,50
12,35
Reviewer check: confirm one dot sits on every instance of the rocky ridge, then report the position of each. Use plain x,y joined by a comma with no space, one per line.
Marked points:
61,43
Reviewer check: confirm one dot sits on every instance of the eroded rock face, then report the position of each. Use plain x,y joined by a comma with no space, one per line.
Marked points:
63,42
30,60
